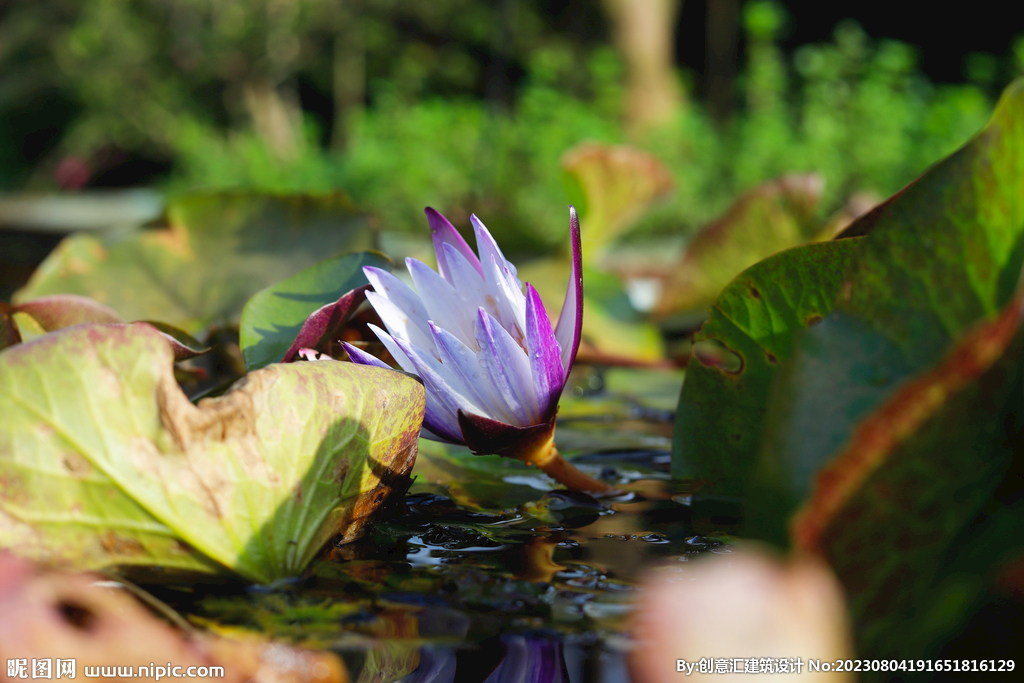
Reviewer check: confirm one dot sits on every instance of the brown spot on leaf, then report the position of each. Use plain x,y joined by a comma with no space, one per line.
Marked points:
76,465
813,320
755,292
341,471
116,544
183,547
771,357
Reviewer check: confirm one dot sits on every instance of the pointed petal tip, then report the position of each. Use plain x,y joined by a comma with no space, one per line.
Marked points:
373,271
436,219
569,329
360,357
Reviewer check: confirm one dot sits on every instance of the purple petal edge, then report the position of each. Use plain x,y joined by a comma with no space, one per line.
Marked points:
570,320
360,357
443,232
325,320
545,354
441,417
435,426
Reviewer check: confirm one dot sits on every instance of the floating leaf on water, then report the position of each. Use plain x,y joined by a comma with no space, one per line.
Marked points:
215,252
103,461
941,257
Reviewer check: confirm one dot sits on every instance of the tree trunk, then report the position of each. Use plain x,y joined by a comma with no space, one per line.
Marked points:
349,75
643,31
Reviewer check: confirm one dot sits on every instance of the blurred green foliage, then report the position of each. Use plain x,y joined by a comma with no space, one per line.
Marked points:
392,101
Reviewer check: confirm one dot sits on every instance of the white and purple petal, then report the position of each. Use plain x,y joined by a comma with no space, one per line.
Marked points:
440,383
398,323
504,297
389,343
440,423
570,320
442,301
545,354
464,362
360,357
444,233
486,246
505,362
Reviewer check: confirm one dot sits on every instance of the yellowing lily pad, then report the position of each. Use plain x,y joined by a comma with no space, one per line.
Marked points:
103,461
616,185
215,251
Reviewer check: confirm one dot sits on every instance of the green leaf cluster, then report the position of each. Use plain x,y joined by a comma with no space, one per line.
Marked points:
864,395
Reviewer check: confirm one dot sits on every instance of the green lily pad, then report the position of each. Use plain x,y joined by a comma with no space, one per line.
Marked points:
912,477
274,316
939,259
768,219
722,407
103,461
215,251
896,419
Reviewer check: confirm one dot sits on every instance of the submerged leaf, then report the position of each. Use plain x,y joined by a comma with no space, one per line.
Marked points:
215,252
103,461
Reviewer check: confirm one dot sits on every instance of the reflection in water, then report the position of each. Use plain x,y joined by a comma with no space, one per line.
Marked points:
525,659
480,574
530,660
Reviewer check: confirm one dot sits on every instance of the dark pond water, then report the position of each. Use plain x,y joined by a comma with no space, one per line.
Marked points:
483,573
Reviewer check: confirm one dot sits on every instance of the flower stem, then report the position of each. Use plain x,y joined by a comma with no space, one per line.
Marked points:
551,463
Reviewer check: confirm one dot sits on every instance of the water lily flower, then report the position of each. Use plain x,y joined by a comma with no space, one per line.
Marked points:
491,362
